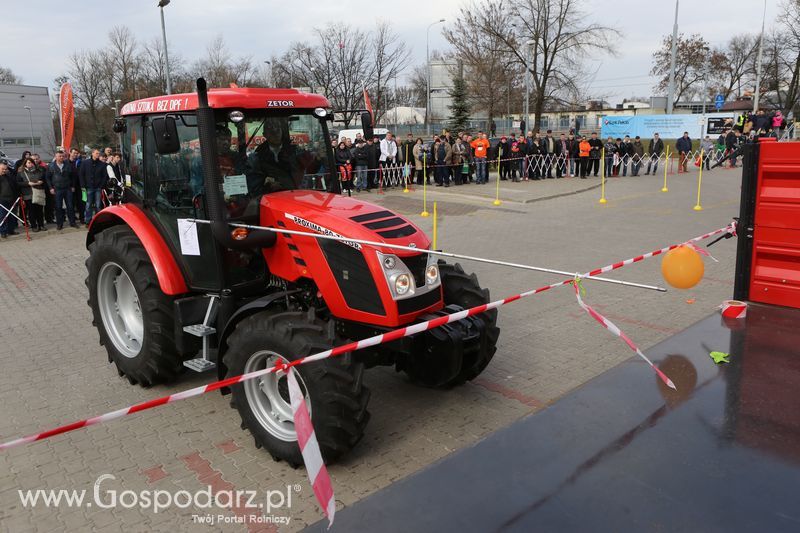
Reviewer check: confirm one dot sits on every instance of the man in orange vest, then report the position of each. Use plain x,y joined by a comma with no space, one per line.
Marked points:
480,147
583,152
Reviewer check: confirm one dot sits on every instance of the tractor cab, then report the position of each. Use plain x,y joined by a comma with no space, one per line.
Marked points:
266,140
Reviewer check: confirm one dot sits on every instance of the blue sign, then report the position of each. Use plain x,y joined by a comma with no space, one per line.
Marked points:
719,101
668,126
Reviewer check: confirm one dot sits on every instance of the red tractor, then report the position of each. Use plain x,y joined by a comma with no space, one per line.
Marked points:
168,293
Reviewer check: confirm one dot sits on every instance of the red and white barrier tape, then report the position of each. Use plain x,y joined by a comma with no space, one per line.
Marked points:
309,448
733,309
610,326
730,228
338,350
326,501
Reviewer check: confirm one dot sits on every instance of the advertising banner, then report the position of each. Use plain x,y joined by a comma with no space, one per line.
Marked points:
667,126
66,114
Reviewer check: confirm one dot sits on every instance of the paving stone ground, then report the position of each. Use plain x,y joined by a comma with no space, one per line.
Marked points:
54,371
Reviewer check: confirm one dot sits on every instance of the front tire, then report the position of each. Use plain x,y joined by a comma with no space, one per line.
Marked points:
463,289
131,314
334,390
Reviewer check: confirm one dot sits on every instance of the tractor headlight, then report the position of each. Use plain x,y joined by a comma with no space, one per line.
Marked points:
431,274
402,284
389,262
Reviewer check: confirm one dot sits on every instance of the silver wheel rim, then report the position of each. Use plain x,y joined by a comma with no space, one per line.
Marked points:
268,396
120,310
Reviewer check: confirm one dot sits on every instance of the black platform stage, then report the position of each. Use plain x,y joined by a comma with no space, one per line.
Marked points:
623,453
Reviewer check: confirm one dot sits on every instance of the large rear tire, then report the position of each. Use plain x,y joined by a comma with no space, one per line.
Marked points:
131,314
335,394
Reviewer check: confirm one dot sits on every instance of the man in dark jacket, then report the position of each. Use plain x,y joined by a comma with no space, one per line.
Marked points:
637,156
504,154
74,160
563,148
595,154
547,147
360,165
373,157
93,177
9,193
654,151
60,182
683,147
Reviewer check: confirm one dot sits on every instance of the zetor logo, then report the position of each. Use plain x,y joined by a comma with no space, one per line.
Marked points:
280,103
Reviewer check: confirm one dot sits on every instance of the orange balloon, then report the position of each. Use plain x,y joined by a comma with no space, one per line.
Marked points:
682,267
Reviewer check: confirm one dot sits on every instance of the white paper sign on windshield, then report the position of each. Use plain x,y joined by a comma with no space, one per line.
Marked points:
234,185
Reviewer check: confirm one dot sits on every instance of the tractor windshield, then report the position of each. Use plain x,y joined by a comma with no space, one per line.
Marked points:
267,151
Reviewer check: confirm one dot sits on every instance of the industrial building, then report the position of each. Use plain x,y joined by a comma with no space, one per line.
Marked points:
25,121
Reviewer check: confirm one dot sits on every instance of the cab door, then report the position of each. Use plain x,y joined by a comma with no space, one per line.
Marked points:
173,190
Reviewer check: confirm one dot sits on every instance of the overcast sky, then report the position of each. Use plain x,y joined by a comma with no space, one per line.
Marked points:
37,50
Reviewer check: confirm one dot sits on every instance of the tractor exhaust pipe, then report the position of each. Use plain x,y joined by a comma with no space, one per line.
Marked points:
212,182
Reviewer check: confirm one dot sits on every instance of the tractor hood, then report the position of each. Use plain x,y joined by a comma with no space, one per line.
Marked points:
333,214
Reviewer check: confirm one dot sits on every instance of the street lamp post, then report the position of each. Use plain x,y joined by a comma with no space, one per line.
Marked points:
162,4
271,82
30,118
527,86
428,61
671,90
758,67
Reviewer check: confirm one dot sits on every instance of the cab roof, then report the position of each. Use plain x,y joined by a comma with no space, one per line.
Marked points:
242,98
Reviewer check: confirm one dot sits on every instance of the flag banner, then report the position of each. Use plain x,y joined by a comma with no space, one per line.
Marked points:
66,114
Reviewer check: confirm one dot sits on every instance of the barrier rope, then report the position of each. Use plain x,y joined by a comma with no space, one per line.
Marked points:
338,350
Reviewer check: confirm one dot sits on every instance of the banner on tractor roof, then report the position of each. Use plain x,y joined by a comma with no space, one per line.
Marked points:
66,115
368,105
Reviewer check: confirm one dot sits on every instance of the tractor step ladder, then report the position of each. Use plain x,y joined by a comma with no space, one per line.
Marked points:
201,364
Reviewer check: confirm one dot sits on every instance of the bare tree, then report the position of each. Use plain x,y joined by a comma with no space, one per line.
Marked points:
556,34
153,70
123,62
690,65
87,76
391,58
489,70
786,53
9,78
729,64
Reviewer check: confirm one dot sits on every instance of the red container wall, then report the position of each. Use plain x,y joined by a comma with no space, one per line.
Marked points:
775,273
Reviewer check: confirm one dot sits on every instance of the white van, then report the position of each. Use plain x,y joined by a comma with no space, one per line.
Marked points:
351,134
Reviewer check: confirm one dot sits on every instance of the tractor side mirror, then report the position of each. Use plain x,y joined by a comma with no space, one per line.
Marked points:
120,125
366,125
165,131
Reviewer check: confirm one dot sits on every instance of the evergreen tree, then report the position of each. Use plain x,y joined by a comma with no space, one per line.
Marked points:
459,109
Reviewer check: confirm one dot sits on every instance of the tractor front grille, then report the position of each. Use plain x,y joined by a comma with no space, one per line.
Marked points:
416,264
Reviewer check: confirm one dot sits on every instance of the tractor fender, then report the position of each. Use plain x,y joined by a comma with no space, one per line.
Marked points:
170,277
243,312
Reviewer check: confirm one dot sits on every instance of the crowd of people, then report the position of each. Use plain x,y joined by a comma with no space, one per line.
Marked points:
70,189
364,164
